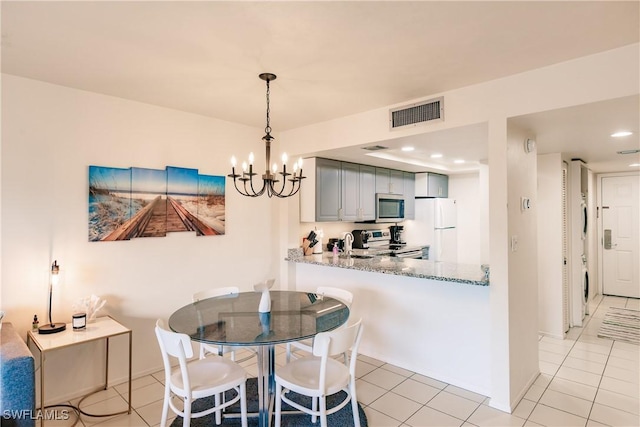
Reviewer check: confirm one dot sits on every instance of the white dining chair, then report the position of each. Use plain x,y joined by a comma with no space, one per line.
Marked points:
320,375
221,350
306,345
197,379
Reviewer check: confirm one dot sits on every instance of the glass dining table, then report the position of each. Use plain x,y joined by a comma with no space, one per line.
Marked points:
234,320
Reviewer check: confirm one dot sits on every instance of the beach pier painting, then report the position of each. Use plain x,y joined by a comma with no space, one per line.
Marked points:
138,202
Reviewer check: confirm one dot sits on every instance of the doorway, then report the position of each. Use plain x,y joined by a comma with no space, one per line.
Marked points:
620,234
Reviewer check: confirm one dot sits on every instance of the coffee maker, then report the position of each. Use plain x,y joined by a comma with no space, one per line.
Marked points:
397,235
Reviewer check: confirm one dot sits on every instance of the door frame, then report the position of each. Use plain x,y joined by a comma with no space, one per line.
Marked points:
598,243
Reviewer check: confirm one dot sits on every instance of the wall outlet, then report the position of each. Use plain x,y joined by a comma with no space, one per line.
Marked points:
514,243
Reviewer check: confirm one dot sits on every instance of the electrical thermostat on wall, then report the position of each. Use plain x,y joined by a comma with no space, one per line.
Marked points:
525,203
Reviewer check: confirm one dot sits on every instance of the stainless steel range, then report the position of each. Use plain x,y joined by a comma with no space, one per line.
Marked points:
380,240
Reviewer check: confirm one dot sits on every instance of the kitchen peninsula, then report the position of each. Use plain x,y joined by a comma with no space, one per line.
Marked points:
379,263
429,317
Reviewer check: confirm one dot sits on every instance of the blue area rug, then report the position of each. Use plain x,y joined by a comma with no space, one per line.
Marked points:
342,418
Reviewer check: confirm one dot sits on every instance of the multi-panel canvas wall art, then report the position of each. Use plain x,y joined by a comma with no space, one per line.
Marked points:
138,202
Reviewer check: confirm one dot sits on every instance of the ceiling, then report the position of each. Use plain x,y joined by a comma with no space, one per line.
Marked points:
332,59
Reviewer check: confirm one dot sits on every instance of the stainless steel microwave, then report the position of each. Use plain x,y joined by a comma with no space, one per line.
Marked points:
389,207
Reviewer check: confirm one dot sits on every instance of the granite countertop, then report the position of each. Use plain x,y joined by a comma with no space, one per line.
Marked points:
469,274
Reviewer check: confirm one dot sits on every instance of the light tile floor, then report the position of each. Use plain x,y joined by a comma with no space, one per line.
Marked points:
584,381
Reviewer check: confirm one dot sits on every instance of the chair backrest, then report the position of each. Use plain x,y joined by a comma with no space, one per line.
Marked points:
338,341
215,292
337,293
174,345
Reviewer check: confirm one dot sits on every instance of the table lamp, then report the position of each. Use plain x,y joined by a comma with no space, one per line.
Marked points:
52,328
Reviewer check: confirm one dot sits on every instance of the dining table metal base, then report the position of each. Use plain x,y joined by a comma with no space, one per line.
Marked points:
266,383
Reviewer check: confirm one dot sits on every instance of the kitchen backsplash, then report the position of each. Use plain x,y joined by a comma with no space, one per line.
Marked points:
333,229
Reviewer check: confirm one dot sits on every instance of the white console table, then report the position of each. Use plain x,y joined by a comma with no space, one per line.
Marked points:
102,329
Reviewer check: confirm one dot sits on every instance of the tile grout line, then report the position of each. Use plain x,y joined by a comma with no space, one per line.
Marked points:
560,366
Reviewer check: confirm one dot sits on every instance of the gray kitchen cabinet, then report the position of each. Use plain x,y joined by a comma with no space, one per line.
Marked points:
438,185
337,191
409,195
328,197
350,194
358,192
367,194
320,194
389,181
432,185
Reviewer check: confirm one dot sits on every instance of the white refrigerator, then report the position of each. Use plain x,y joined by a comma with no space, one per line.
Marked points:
435,223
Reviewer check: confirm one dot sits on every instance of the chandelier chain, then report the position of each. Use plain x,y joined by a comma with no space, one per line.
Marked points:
267,129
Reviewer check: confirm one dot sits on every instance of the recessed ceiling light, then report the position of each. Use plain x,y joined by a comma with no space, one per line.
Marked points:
436,156
634,165
458,162
621,134
408,148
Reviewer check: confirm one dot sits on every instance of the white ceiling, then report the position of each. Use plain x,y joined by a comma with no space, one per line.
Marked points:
332,58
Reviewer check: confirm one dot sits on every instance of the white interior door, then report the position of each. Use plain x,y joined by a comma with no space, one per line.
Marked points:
620,231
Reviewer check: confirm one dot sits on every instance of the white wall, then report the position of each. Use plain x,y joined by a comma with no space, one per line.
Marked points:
50,135
550,258
523,265
427,326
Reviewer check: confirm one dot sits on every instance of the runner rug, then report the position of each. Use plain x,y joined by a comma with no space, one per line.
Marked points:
342,418
621,324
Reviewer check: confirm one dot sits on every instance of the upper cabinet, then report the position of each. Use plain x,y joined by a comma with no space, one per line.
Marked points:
328,176
358,201
337,191
389,181
431,185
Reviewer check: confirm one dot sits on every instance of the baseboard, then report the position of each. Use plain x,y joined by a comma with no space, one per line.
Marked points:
475,388
510,407
552,335
88,390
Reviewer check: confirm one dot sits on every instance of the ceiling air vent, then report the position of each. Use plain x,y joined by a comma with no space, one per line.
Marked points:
375,148
413,114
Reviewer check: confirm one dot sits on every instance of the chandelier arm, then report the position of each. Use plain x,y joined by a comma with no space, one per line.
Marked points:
293,191
256,193
235,184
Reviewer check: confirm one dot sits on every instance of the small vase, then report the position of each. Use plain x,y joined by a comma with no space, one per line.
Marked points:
265,302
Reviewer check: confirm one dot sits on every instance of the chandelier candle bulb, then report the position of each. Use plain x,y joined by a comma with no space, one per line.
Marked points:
284,158
233,161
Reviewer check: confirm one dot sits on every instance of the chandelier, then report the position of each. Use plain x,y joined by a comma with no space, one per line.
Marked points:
274,183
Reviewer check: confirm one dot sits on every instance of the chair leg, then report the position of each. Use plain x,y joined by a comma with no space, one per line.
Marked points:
218,411
314,408
323,411
243,404
186,421
288,352
354,404
165,407
278,404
